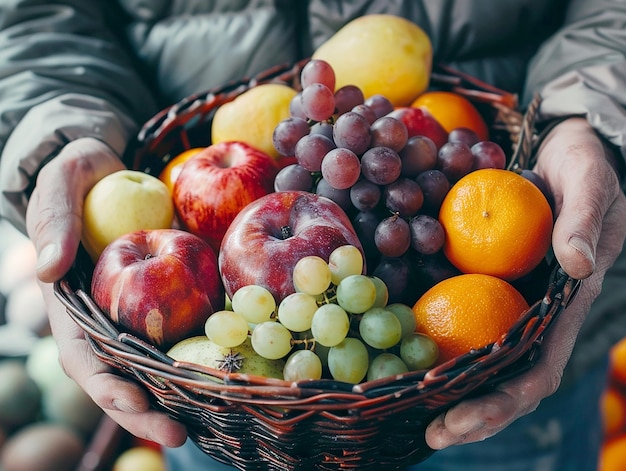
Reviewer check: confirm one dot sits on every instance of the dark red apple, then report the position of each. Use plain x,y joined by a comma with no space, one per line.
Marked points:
270,235
419,122
216,183
160,284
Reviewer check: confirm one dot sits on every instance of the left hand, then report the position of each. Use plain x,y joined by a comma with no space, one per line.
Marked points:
588,236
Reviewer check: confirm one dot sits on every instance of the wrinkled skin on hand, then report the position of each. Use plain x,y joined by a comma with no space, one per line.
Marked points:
54,221
588,236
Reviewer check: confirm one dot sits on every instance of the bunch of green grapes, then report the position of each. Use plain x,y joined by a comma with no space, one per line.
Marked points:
337,323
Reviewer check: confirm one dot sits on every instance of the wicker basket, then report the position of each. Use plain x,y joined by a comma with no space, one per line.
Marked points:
260,423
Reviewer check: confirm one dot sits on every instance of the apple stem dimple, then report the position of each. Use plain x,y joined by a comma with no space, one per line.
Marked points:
148,256
286,232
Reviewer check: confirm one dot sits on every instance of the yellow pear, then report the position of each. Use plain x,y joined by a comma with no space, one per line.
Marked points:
380,54
252,116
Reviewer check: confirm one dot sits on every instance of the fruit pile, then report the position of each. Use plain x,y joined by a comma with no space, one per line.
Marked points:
613,407
372,240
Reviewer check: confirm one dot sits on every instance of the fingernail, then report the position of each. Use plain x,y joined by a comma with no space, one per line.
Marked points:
582,247
47,255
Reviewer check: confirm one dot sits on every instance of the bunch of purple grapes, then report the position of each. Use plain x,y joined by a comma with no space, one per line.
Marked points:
349,149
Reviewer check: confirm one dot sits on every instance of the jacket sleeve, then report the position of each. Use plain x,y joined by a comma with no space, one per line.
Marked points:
581,70
63,75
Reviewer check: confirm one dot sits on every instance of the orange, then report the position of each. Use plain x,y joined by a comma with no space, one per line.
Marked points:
618,361
453,111
496,222
613,407
467,312
613,455
169,174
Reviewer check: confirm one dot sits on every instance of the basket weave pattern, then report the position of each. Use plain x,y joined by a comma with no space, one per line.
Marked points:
257,423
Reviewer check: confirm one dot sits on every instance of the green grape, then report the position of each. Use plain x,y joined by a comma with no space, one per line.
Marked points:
344,261
418,351
348,361
311,275
380,328
386,364
296,311
382,293
226,328
301,365
405,315
255,303
330,324
271,340
356,293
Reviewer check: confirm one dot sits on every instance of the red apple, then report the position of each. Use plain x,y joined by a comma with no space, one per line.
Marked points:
419,122
159,284
269,236
216,183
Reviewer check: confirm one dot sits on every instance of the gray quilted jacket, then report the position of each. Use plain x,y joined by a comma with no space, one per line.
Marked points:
76,68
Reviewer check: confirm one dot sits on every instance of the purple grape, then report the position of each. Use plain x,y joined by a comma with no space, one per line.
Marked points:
381,165
295,107
389,132
352,131
293,177
398,275
404,196
322,127
380,104
427,234
365,224
464,135
455,160
435,186
287,133
392,236
318,102
488,154
341,197
418,155
365,195
347,97
311,149
365,111
341,168
317,71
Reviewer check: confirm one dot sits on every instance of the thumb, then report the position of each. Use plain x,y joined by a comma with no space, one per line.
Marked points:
584,185
54,214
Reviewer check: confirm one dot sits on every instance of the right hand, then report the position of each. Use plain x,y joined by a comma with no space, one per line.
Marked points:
54,224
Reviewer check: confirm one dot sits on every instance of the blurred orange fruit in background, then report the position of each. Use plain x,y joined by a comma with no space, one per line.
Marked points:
169,174
618,362
467,312
613,407
613,455
453,110
496,222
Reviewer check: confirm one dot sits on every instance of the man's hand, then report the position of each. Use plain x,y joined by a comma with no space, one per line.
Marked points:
54,222
588,236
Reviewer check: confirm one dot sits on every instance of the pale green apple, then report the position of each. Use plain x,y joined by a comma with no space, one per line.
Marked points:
122,202
241,359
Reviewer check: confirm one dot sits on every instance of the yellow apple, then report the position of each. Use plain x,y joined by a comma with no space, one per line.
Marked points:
380,54
252,116
122,202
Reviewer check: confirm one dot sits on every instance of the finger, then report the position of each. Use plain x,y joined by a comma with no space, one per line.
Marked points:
584,184
54,216
123,400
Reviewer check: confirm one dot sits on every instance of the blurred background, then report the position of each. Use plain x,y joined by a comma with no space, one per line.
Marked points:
47,423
